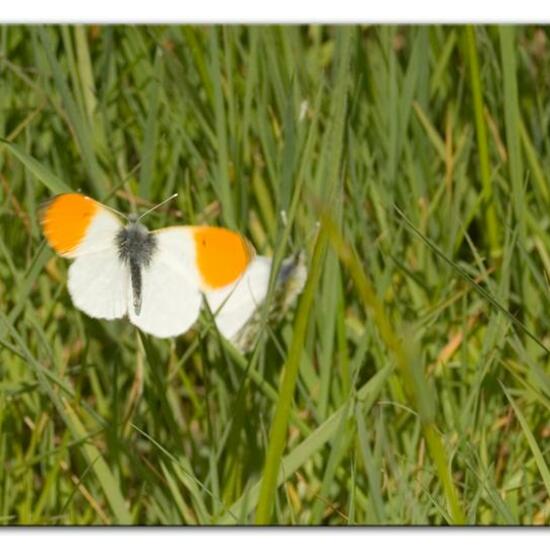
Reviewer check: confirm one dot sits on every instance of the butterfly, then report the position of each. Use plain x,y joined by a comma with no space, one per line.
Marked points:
161,279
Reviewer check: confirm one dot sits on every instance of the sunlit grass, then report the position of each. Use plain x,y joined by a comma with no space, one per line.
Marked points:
411,383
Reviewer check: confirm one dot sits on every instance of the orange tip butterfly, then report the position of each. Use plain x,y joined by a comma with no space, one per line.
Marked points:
159,279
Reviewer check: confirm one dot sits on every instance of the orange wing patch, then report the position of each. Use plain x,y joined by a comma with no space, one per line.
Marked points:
65,220
222,255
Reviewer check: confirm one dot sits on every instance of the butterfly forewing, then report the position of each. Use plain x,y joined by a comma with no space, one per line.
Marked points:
74,225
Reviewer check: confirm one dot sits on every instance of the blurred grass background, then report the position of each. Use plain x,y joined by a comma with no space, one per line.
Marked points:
410,386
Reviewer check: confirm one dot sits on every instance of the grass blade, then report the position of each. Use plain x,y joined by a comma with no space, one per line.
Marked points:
482,142
277,435
310,445
535,449
43,174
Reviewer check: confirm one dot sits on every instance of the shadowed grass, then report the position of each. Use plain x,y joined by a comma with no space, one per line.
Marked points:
481,133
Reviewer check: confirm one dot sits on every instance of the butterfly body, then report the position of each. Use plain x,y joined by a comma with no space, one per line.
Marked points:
136,246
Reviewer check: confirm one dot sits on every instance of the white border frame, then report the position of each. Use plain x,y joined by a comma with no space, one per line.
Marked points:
281,11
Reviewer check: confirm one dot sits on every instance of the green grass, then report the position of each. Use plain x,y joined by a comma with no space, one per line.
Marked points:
411,383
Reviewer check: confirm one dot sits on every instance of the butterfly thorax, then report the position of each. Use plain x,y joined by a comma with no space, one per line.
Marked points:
136,246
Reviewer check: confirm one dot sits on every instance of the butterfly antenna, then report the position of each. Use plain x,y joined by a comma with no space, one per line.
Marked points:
158,205
115,211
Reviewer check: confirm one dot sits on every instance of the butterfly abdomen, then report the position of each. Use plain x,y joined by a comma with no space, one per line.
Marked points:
136,246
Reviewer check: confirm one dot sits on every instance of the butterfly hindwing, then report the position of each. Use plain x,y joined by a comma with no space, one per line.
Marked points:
234,304
99,284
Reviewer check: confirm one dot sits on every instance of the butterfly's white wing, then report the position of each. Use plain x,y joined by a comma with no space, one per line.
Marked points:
171,299
99,284
233,305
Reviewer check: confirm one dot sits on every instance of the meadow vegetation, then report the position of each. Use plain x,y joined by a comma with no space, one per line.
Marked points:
411,383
